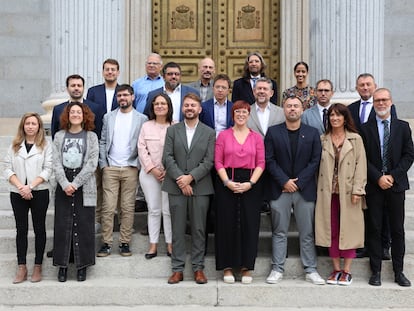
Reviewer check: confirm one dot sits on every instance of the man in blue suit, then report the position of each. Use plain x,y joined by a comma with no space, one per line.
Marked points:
216,111
317,115
173,88
293,153
105,94
75,88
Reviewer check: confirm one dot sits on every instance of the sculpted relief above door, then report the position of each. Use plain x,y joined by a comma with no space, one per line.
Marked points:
225,30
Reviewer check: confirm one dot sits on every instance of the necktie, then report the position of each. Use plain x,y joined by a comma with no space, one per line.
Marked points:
254,80
385,143
325,119
362,116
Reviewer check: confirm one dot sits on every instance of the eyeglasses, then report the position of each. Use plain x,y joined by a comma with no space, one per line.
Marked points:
152,63
173,73
323,90
378,100
241,111
219,87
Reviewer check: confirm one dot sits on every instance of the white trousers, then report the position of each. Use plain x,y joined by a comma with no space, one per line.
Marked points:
158,205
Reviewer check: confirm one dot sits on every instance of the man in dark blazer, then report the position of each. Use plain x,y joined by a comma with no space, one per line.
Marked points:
388,160
361,111
293,153
75,88
188,158
219,103
105,94
173,88
254,68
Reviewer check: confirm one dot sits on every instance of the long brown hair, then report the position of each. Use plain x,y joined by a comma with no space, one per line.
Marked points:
40,140
342,110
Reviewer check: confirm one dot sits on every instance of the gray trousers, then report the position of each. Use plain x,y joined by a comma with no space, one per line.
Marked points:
196,207
305,215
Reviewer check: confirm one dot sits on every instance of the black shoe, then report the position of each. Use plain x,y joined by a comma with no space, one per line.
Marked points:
104,251
150,255
265,207
49,254
124,249
140,206
63,274
361,253
386,254
401,280
375,279
144,231
82,275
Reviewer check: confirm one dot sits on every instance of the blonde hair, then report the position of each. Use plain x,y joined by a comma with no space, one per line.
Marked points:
40,139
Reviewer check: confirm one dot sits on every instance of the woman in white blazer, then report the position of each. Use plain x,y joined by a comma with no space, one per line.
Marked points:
28,168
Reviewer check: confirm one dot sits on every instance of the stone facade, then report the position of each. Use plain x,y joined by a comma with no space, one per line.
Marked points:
30,74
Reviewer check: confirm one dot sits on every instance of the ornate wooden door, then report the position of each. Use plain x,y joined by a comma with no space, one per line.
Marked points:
185,31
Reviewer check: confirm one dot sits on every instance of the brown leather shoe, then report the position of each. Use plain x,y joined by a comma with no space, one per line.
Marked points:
199,277
175,278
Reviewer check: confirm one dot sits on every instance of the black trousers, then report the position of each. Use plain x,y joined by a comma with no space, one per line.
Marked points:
38,207
386,203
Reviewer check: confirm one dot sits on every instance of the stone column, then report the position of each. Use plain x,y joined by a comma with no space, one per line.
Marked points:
346,39
294,43
83,35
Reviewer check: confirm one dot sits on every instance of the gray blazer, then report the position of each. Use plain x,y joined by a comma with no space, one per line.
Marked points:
196,85
312,117
108,132
86,177
197,160
276,116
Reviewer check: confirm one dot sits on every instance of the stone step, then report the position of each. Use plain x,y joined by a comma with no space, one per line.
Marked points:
130,292
136,266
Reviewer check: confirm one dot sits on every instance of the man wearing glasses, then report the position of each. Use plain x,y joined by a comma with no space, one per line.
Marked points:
150,81
317,116
173,88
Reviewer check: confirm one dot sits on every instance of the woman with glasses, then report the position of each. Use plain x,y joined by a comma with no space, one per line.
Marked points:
239,161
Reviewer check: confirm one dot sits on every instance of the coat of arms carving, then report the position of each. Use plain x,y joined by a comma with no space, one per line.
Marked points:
182,18
248,17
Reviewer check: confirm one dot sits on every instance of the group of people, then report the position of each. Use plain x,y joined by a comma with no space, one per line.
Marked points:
199,157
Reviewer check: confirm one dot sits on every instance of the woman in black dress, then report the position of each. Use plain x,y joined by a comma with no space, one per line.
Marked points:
75,158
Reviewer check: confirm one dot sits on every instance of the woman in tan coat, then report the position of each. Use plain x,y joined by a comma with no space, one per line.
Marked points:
339,220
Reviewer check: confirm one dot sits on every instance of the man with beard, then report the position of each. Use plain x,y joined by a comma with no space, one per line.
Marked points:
188,158
173,88
204,85
75,87
118,159
293,153
390,154
254,68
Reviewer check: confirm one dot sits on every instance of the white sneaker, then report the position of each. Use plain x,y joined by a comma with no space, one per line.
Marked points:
274,277
315,278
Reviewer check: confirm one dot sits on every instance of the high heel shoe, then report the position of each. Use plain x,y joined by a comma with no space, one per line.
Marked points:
150,255
62,274
21,274
37,274
82,275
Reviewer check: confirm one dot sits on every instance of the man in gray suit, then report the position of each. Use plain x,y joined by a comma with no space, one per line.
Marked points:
188,158
118,159
263,113
204,85
317,115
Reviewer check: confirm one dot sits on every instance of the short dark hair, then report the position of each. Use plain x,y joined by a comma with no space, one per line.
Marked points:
112,62
324,81
222,76
193,96
72,77
170,65
301,63
124,87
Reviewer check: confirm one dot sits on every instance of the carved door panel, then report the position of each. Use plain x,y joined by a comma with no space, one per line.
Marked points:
184,31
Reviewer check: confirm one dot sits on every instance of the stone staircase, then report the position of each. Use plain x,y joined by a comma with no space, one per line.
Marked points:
134,281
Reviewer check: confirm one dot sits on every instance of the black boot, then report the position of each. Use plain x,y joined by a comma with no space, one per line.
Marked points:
63,274
82,274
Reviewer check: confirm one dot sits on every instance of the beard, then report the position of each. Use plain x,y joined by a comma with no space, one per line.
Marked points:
382,113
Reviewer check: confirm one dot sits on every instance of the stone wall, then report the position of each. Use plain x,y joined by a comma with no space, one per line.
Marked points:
399,55
25,62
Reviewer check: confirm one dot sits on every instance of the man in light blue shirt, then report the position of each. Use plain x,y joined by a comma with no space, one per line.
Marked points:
150,81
